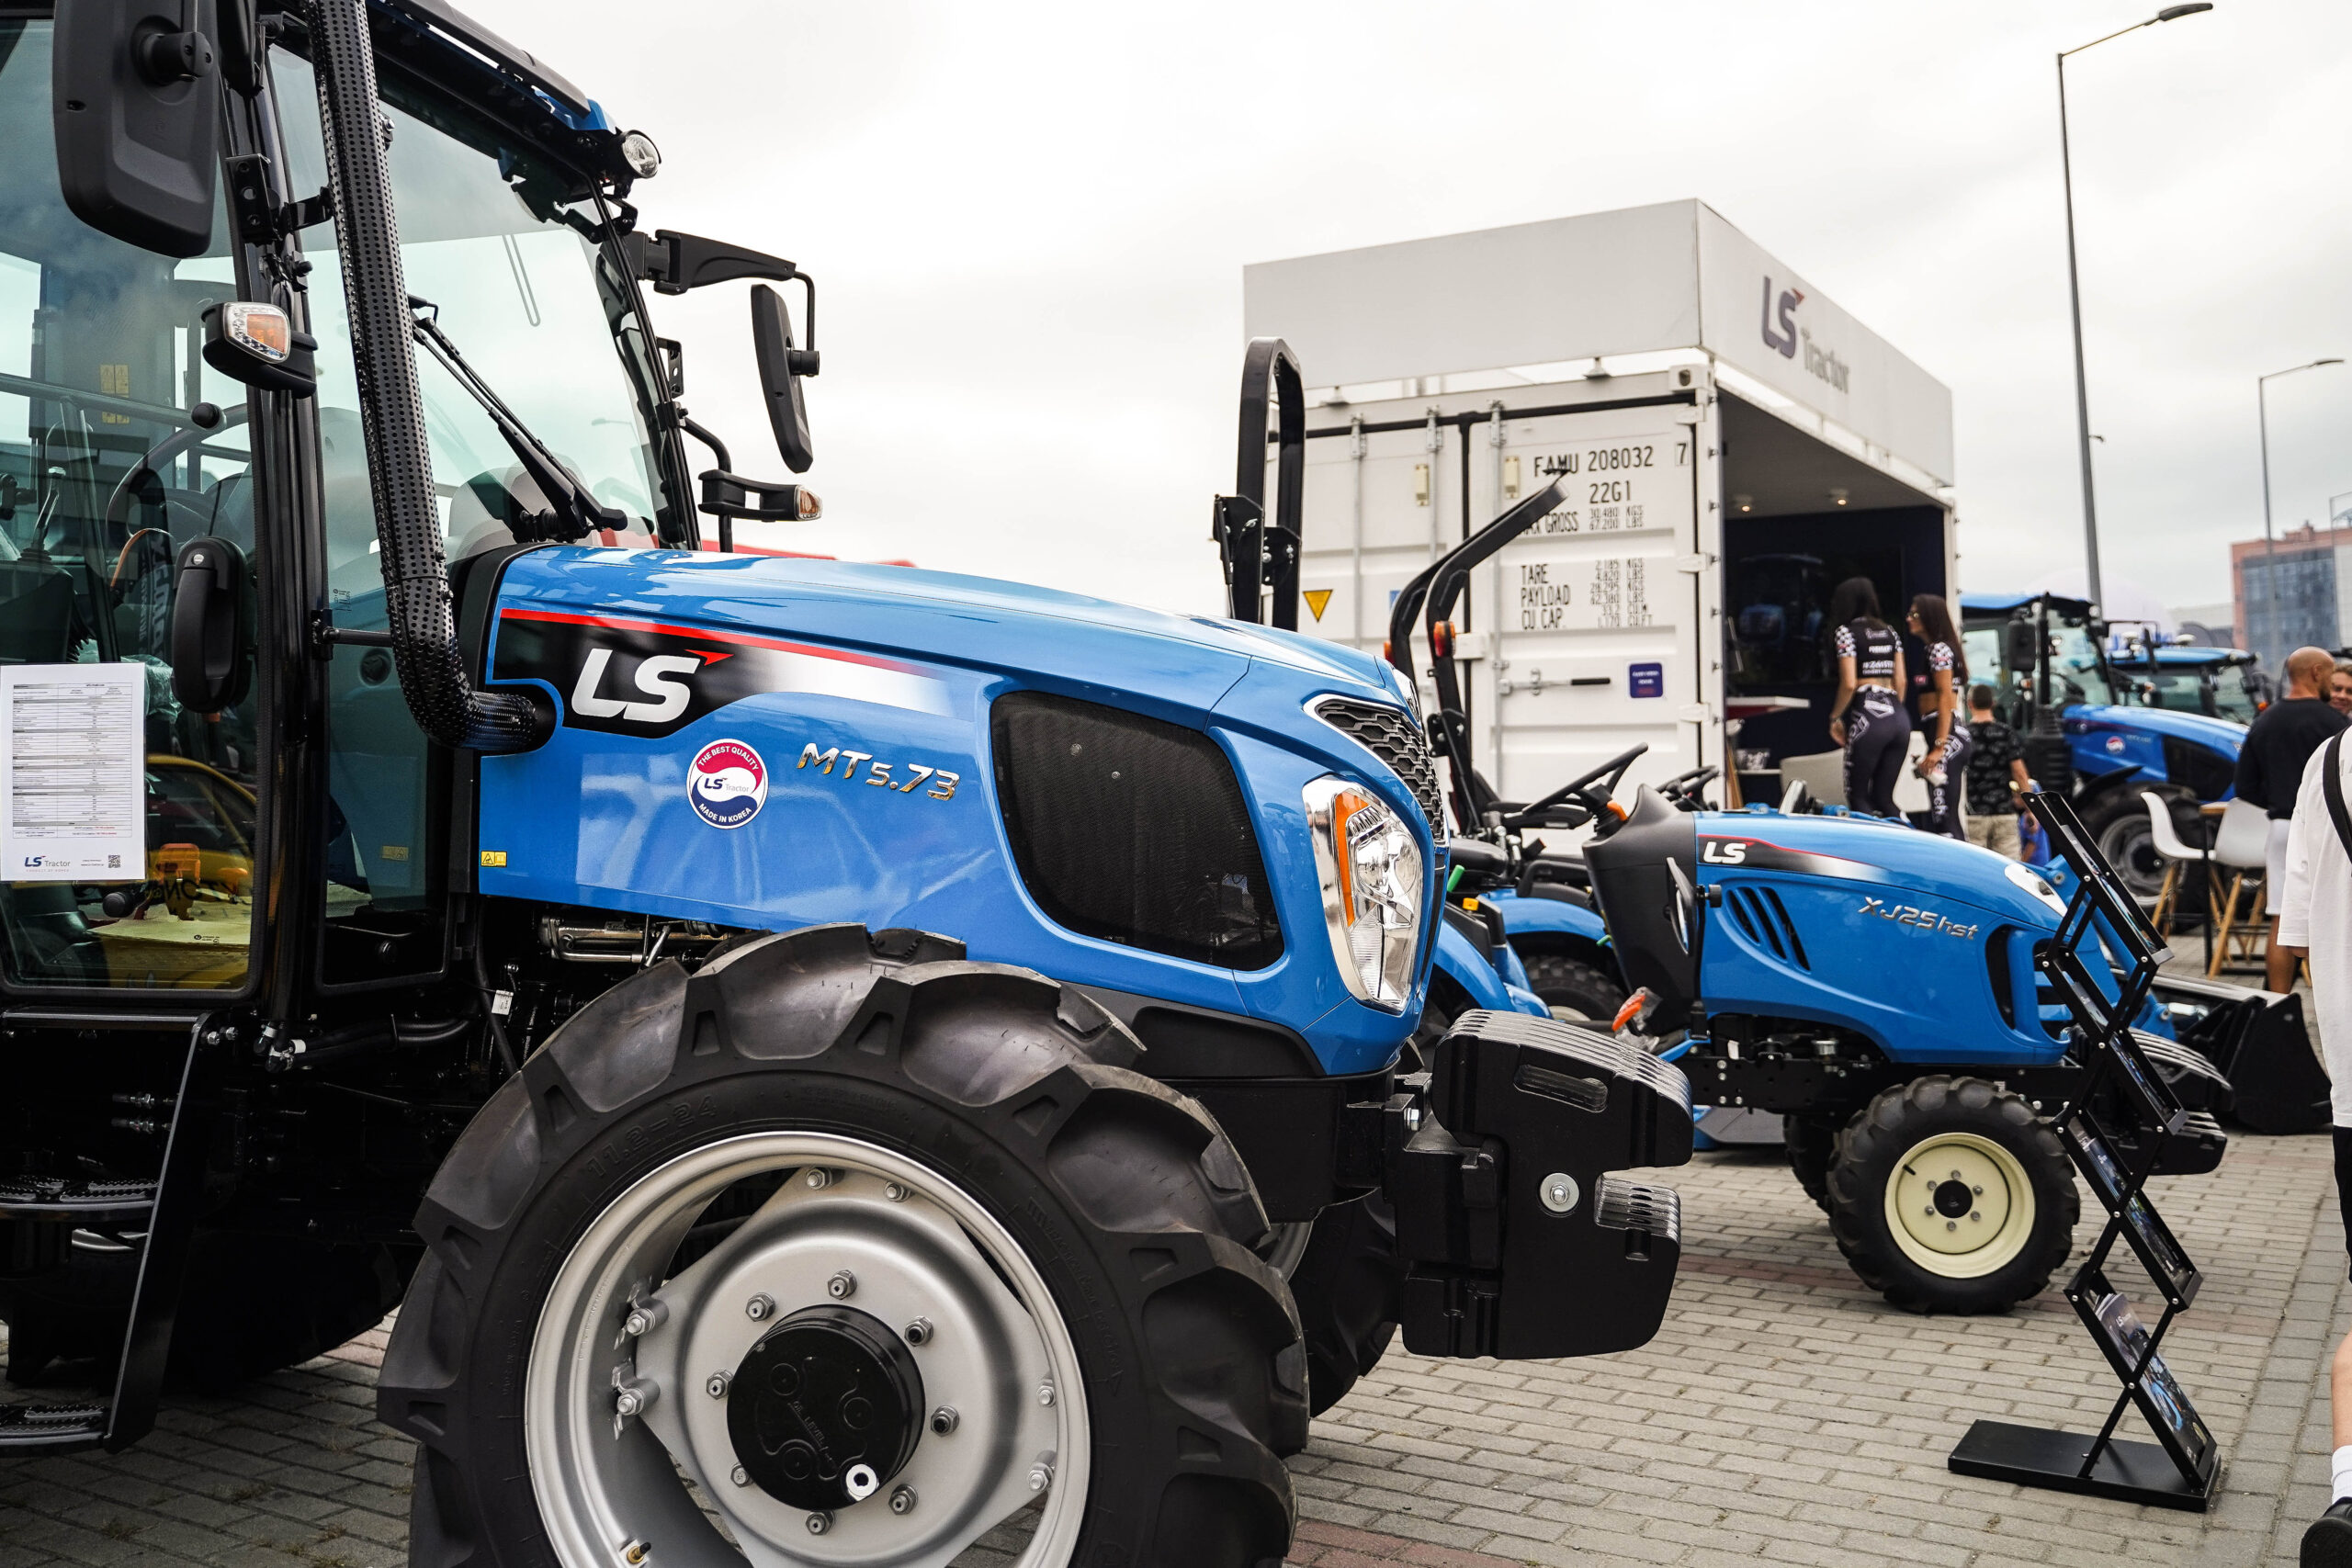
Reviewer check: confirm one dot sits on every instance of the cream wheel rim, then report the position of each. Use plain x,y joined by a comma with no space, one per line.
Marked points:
1959,1205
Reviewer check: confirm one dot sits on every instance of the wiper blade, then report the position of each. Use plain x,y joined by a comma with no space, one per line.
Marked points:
575,512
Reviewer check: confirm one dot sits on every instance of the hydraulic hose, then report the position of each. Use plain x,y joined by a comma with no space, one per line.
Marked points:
447,705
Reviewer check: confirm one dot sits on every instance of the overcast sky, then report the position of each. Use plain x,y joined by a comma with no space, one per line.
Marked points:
1029,223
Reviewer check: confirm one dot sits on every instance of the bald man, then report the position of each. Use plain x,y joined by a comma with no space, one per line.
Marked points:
2270,771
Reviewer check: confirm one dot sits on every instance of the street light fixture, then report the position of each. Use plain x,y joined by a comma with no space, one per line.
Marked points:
2075,286
2269,540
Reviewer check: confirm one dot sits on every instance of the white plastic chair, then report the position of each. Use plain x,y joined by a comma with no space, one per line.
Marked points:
2243,846
2176,854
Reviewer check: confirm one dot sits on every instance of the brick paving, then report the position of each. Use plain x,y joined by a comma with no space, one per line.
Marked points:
1784,1414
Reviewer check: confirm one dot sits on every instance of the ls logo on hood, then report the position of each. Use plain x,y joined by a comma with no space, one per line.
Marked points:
661,678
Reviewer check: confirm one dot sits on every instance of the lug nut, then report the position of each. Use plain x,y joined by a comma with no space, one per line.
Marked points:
819,1522
716,1386
817,1179
945,1420
1046,1394
644,1318
1041,1476
632,1398
740,1476
895,1192
919,1331
1978,1215
903,1500
1978,1190
758,1308
841,1286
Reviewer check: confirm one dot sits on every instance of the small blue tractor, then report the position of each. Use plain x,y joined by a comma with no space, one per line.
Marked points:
834,1061
1872,989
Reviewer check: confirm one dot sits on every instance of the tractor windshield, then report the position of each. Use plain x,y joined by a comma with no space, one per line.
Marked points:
127,824
518,281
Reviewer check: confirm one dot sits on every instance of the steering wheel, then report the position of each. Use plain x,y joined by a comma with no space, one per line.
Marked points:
1581,800
1683,788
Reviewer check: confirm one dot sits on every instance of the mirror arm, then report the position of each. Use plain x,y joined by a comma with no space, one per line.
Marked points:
674,263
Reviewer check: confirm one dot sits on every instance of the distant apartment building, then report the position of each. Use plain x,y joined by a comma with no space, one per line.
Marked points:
2292,591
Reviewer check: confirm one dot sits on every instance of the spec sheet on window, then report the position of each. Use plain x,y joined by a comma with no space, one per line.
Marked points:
73,746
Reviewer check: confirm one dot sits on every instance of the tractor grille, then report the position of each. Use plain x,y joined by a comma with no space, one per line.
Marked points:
1132,830
2208,772
1764,920
1393,736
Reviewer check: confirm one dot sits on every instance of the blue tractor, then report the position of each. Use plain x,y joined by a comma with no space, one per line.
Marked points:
2107,715
833,1061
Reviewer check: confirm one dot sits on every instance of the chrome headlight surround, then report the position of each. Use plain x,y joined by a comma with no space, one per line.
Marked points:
1374,877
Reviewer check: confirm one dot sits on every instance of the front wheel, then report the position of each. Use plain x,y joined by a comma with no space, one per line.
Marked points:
883,1254
1577,992
1949,1194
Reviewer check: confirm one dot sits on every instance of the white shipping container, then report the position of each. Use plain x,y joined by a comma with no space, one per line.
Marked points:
1450,378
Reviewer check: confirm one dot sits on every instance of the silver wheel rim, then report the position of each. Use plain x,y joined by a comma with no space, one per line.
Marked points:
997,1351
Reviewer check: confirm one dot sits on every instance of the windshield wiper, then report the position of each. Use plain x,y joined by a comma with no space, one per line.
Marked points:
573,512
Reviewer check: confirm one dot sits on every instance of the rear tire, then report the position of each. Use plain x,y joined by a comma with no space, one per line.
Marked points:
1576,991
982,1143
1950,1195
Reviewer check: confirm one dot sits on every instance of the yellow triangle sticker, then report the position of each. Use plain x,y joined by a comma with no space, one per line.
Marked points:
1316,598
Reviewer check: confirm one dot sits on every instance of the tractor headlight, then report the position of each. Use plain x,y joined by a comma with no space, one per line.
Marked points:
1373,873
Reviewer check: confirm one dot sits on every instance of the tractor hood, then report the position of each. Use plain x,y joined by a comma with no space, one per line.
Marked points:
1900,865
2221,736
1191,661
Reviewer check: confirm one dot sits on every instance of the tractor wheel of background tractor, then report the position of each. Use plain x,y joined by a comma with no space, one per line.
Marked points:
1949,1194
2117,820
251,1305
991,1283
1813,1146
1346,1283
1576,991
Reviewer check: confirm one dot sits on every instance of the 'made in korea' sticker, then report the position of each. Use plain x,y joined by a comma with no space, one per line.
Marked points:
728,784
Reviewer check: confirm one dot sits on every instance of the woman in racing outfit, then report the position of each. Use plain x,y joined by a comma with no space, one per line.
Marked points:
1868,718
1945,763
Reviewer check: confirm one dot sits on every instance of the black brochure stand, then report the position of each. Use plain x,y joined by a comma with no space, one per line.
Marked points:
2101,963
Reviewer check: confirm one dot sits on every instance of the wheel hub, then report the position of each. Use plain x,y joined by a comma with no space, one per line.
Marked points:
1953,1199
825,1408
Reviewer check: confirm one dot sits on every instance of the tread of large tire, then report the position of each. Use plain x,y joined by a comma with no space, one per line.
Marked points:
1891,1124
1347,1286
1559,978
1015,1080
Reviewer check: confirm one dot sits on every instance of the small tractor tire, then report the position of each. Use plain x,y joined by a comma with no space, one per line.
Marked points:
1812,1144
1347,1284
252,1303
982,1259
1950,1195
1574,991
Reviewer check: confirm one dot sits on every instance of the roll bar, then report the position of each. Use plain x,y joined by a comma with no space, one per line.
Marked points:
1257,555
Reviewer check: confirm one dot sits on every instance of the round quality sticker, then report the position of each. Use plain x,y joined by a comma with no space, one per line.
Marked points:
728,784
2115,743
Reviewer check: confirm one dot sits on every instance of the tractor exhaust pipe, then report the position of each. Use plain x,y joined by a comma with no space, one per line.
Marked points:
447,705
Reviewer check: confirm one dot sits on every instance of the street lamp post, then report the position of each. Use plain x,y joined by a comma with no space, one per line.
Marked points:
2075,286
2269,540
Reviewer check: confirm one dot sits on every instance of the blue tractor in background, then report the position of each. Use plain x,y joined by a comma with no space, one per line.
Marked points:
833,1062
2107,712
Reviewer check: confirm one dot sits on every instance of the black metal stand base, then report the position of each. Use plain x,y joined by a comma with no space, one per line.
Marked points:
2037,1455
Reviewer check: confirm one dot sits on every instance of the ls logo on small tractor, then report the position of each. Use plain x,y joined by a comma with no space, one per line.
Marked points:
1910,915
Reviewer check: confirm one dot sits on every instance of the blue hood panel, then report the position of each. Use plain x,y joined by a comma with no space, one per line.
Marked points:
773,743
2219,735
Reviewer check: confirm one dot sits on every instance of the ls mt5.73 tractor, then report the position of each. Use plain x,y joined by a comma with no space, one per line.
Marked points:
880,1057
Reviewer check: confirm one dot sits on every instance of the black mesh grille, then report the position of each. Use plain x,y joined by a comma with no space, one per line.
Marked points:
2208,772
1133,831
1391,734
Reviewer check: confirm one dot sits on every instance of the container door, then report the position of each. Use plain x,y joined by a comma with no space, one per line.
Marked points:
1589,623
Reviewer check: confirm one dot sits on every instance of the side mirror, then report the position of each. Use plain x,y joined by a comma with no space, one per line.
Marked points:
136,108
210,607
781,367
2020,646
257,345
